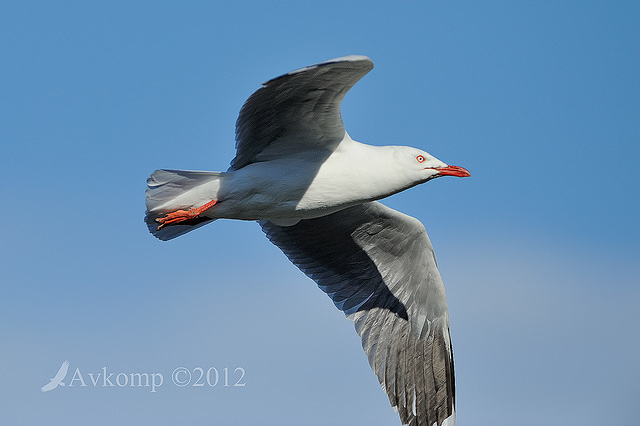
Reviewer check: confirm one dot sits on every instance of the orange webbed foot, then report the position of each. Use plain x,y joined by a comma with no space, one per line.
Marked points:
182,215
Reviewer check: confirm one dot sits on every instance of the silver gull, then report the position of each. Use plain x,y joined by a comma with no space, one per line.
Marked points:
314,191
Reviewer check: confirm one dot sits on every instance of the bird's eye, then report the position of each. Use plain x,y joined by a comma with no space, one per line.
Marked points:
420,159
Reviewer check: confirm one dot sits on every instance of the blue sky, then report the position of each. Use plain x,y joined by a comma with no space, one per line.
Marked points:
538,249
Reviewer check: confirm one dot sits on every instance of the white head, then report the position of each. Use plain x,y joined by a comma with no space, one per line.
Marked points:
419,166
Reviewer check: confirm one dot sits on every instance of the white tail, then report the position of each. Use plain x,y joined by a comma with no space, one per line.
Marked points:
171,190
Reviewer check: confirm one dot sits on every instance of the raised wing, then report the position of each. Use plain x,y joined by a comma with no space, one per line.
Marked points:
378,267
62,371
297,111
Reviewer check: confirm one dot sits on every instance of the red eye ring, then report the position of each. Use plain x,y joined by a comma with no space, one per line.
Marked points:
420,159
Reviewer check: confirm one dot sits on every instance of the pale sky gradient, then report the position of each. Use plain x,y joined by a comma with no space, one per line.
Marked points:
539,249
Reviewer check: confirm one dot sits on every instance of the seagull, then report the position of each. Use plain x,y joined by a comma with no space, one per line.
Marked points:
57,379
314,192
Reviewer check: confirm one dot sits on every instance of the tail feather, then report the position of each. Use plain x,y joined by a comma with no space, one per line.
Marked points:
171,190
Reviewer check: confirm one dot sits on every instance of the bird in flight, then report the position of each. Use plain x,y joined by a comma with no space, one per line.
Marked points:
57,379
314,192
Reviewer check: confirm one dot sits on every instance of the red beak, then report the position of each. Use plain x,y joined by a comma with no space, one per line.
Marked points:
452,171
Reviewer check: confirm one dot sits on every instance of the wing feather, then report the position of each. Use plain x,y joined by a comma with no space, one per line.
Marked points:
298,111
378,266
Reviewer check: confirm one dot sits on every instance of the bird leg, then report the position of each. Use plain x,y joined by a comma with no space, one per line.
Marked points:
182,215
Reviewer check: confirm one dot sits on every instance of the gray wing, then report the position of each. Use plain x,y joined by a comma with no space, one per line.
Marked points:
378,266
299,110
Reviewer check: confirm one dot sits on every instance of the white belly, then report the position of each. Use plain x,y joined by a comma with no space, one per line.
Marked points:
290,189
